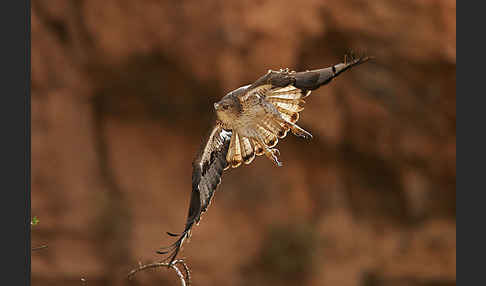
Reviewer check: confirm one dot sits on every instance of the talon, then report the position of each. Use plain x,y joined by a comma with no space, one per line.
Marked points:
275,153
277,162
271,154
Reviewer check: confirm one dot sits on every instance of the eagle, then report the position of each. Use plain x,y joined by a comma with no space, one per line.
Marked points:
250,122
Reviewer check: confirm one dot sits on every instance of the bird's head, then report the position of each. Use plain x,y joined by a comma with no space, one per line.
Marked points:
227,109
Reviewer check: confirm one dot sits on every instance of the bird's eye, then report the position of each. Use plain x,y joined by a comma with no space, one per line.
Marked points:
225,106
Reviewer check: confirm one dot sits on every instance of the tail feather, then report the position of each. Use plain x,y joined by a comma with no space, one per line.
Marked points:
273,126
268,138
247,150
289,116
258,148
234,157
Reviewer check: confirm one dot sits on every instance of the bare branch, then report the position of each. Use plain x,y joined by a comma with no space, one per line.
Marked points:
185,278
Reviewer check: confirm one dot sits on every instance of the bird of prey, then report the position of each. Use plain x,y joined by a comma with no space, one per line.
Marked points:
250,121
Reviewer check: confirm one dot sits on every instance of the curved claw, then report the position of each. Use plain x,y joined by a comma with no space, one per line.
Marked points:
272,155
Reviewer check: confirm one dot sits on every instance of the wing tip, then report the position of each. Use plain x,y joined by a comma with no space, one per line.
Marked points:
174,249
353,58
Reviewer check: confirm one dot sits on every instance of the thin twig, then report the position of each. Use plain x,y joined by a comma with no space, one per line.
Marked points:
185,279
186,270
39,247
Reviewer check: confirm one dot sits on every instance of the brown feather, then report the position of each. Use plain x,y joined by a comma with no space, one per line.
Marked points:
269,138
234,157
274,126
258,148
298,131
292,105
247,150
289,92
289,116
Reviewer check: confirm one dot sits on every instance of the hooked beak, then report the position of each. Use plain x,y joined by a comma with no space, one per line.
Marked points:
216,106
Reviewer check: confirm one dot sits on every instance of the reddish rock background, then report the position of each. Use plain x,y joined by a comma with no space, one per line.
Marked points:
122,93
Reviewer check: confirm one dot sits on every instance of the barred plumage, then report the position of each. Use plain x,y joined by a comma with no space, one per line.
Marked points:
251,119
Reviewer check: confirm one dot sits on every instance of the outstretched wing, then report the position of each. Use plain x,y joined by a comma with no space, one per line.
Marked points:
282,95
207,169
286,89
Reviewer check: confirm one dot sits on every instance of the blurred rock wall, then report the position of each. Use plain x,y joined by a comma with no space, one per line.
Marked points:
122,95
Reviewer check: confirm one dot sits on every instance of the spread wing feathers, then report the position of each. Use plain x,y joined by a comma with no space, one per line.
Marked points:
206,176
274,126
270,139
288,88
285,90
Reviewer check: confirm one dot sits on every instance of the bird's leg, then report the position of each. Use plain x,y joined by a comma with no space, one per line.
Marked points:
270,153
296,129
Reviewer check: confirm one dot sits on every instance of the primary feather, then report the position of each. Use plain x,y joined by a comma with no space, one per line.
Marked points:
206,176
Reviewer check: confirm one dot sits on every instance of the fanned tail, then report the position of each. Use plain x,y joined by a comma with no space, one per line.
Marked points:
234,156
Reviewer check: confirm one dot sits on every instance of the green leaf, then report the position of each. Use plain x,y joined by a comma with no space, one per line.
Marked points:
34,221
